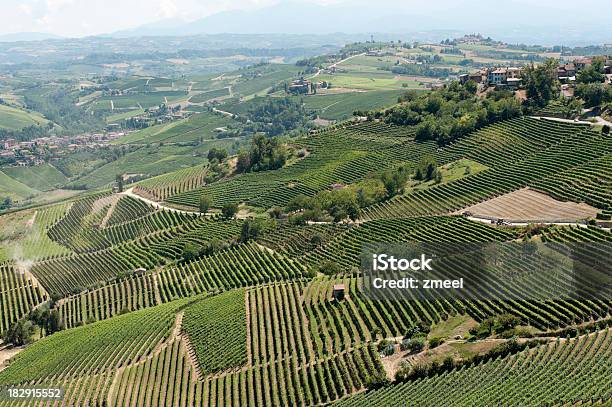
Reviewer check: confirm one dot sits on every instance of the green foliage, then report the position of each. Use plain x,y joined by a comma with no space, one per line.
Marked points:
190,251
119,182
253,228
338,204
20,333
218,154
414,344
495,325
435,342
426,169
229,210
204,204
378,381
594,94
93,348
330,268
593,73
265,154
541,83
275,116
447,114
58,105
394,180
527,375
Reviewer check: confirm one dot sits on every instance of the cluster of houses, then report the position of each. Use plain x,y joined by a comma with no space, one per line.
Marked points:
510,77
34,152
567,72
499,77
304,86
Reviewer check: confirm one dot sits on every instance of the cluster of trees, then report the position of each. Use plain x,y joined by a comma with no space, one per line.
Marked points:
337,204
427,169
420,70
59,106
6,203
347,202
20,332
254,228
275,116
27,133
594,94
541,83
495,325
218,154
593,73
193,251
447,114
591,88
407,372
451,51
264,154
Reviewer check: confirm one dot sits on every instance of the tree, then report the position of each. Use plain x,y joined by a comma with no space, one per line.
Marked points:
190,251
376,381
20,333
394,181
541,82
594,94
218,154
593,73
229,210
264,154
6,203
426,169
119,181
572,108
471,86
330,268
54,323
204,204
243,163
253,228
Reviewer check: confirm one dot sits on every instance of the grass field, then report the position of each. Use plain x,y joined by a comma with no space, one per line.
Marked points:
382,81
196,127
153,160
123,115
12,118
14,189
41,177
342,105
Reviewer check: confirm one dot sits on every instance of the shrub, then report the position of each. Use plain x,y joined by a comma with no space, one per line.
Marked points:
377,381
435,342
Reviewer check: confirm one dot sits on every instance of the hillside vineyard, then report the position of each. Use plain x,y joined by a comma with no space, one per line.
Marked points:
200,221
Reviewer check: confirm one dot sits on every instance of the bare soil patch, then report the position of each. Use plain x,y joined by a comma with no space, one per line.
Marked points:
529,205
6,353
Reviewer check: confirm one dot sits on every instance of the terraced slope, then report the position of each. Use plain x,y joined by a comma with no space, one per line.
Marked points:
567,154
344,154
567,372
19,294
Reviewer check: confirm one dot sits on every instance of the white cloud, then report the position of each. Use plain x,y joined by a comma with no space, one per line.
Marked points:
26,9
54,5
168,9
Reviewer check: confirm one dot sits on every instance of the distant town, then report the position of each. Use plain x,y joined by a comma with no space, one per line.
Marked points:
40,150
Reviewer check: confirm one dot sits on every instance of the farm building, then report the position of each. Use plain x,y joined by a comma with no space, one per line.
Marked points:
338,292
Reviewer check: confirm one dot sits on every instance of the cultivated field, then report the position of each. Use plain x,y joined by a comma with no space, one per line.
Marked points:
529,205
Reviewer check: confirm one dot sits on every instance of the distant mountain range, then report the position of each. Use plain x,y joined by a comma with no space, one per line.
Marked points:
561,24
534,23
27,36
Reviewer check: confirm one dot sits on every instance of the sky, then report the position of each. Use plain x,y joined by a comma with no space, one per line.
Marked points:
79,18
